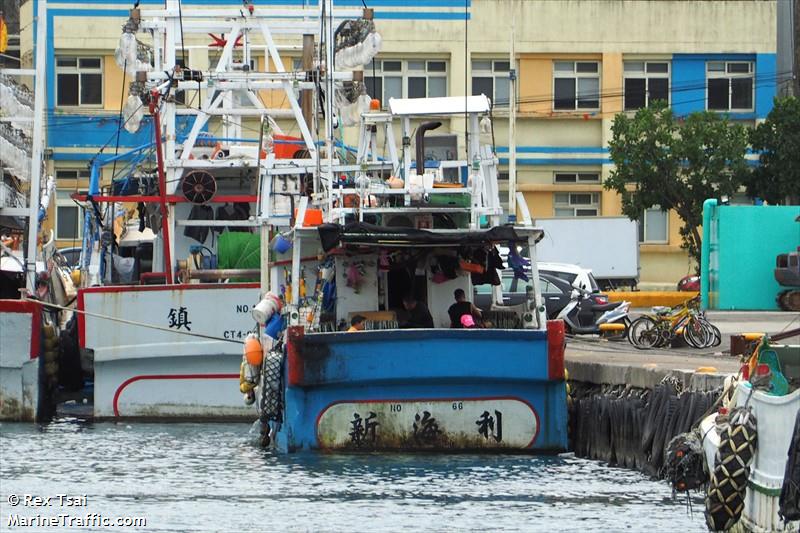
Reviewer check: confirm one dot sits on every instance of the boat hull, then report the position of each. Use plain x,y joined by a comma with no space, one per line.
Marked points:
431,390
774,415
21,368
142,372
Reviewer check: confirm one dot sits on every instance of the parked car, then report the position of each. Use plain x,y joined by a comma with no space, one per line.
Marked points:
571,274
555,293
566,271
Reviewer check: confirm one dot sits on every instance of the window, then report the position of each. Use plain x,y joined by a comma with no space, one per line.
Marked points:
68,220
237,61
79,81
548,287
576,85
645,82
490,77
576,177
730,86
400,78
576,204
653,226
72,174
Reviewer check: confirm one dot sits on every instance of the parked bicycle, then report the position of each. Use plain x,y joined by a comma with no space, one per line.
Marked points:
665,324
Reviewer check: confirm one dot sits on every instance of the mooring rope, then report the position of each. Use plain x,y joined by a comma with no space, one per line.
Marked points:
134,323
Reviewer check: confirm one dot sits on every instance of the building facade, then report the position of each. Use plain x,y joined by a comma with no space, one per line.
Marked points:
578,63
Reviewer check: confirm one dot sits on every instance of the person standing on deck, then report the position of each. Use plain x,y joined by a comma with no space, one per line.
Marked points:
418,314
460,308
357,323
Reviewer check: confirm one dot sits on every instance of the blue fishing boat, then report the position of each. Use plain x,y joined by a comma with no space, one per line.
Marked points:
420,368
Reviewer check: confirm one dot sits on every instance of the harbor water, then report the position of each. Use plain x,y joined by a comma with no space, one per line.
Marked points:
212,477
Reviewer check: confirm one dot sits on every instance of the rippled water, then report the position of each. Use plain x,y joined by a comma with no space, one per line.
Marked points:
210,477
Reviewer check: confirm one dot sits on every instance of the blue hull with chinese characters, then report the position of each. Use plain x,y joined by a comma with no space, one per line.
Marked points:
433,390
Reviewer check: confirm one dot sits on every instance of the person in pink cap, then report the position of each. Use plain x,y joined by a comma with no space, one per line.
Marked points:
467,322
460,308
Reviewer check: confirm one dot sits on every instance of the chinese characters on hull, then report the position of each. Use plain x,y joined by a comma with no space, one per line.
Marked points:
426,429
363,430
491,426
179,318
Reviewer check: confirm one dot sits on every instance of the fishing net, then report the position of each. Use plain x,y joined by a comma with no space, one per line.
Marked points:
238,250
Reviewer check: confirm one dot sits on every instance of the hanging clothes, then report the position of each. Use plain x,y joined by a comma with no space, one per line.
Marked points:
199,233
492,262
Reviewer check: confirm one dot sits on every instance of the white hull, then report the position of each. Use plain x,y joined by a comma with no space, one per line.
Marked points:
19,360
775,416
152,373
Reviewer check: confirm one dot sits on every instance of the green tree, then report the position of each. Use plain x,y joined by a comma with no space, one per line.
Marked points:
777,178
661,160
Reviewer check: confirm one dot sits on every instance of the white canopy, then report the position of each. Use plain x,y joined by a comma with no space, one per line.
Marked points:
447,105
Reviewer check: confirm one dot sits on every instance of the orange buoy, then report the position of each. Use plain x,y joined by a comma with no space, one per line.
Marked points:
252,351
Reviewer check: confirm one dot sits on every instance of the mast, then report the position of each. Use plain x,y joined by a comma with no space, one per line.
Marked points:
38,143
512,121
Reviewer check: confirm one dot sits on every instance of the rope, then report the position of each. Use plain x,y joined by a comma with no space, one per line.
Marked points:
138,324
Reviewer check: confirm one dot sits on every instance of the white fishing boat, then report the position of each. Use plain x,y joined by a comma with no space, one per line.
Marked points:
747,443
27,336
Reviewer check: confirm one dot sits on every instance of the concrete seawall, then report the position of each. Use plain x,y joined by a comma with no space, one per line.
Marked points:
627,404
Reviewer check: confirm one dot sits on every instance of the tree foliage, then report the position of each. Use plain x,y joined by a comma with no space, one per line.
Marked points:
665,161
777,178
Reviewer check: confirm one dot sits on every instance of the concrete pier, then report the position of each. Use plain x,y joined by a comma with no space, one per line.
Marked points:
593,360
623,412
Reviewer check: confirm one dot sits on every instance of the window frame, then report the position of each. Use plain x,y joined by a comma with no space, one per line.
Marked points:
730,76
639,74
79,71
642,223
494,73
595,204
63,201
575,75
405,74
577,175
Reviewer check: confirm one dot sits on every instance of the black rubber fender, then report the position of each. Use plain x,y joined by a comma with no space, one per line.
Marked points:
728,481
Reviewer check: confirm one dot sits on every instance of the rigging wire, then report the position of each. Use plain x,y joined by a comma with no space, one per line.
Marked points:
138,324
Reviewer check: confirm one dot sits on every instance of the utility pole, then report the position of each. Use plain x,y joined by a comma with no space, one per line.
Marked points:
796,42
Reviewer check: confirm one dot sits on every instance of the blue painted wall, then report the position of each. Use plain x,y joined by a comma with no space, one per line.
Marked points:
75,131
766,83
688,84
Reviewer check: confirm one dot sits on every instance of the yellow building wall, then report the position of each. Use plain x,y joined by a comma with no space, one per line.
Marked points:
536,83
611,84
273,98
540,203
113,84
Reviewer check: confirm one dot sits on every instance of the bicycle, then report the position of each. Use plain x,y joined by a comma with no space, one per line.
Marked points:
664,324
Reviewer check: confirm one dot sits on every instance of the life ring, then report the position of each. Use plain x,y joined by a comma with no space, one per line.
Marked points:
728,483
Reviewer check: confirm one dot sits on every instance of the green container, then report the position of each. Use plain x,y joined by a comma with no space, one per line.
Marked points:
740,244
456,199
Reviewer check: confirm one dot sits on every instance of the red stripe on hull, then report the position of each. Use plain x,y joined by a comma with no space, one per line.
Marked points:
165,377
